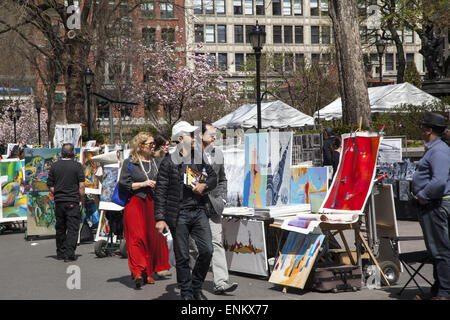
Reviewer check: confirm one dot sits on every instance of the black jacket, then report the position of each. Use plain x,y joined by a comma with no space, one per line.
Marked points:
169,188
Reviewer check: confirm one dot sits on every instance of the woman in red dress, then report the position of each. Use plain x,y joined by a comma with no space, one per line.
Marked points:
147,249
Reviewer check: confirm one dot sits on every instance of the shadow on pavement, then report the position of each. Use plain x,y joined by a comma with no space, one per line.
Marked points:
125,280
407,294
170,293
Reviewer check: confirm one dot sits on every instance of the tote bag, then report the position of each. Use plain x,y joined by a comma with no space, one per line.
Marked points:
121,198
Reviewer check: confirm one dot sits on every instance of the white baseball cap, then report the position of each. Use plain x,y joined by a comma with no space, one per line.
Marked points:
180,128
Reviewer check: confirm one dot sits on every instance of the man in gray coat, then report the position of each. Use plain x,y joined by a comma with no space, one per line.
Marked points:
215,208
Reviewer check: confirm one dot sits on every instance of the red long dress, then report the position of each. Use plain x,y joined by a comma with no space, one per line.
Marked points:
147,249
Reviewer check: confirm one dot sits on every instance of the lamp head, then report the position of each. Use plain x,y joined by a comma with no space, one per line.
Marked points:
18,113
88,77
11,113
257,37
380,46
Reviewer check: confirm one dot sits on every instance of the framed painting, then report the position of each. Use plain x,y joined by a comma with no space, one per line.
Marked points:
92,181
13,206
109,181
309,185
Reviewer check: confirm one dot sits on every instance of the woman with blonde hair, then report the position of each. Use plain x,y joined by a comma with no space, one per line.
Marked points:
147,249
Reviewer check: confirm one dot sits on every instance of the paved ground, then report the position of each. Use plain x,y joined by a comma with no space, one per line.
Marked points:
29,270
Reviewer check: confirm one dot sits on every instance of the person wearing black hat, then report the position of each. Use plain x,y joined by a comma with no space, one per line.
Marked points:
327,148
431,188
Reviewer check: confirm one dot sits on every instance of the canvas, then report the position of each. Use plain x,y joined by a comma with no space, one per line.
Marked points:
40,204
309,185
92,181
109,181
278,168
234,171
245,246
296,259
13,206
353,180
255,169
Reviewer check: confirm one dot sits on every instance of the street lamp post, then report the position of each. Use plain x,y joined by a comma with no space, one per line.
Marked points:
37,105
88,79
258,39
380,49
14,115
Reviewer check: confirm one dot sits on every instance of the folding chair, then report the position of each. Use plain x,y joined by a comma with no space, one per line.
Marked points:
408,259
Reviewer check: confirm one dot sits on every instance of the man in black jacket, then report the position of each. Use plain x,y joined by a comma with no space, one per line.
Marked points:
327,150
181,208
66,182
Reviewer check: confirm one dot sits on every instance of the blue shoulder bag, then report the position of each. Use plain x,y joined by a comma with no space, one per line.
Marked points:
121,198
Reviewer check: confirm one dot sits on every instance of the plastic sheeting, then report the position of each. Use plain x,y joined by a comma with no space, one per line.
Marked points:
276,114
381,99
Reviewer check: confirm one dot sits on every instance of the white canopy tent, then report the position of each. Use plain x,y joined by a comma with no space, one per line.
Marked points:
381,99
276,114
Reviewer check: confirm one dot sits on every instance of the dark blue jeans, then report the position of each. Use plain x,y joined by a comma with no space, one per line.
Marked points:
68,219
434,220
192,223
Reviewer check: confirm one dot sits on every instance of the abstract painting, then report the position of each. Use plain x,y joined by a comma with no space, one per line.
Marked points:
245,246
109,181
353,180
255,169
296,260
40,203
13,206
92,181
309,185
278,168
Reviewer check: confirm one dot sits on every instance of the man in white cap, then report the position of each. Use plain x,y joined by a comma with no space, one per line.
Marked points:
181,208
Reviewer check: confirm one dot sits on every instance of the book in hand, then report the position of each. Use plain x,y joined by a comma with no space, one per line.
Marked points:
192,177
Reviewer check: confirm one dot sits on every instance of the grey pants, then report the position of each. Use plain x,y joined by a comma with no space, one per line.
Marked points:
219,261
434,220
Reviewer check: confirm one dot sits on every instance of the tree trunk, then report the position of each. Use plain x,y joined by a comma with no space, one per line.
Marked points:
352,81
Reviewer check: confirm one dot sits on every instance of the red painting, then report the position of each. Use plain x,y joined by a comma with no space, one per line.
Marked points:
352,183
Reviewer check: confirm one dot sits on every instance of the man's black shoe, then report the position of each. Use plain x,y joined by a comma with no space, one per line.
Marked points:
198,295
71,258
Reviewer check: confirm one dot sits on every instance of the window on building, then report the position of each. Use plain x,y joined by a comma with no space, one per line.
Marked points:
389,64
222,34
102,109
211,59
238,34
276,7
299,60
326,58
315,39
287,8
314,6
248,7
298,7
198,7
210,36
409,36
237,4
324,7
260,10
199,34
209,6
148,36
278,62
239,61
298,34
287,34
220,6
168,35
248,29
148,8
288,61
326,35
222,61
166,9
409,57
315,57
277,38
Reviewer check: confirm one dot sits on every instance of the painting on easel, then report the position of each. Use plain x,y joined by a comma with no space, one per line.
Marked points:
353,180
